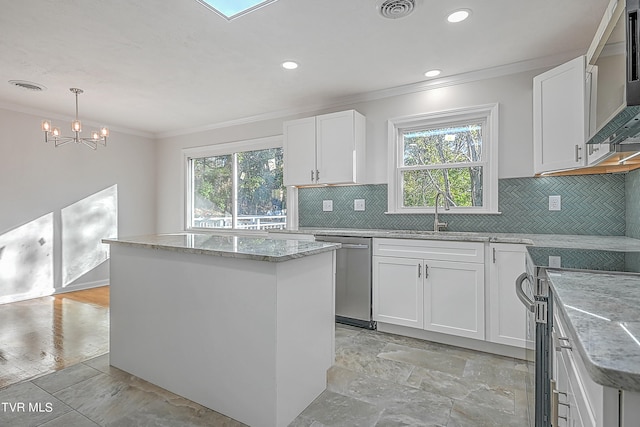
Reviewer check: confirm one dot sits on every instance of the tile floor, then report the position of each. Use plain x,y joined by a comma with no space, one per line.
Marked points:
50,376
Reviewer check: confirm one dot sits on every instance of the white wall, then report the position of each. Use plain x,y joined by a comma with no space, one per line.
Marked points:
512,92
57,203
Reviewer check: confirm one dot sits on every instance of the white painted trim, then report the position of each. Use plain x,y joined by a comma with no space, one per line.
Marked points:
82,286
472,76
234,146
292,208
49,115
463,342
489,112
226,148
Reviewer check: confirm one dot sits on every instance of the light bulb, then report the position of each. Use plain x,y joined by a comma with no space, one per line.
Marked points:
55,132
46,126
76,126
104,131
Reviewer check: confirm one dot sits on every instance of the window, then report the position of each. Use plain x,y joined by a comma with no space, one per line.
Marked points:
452,152
236,186
231,9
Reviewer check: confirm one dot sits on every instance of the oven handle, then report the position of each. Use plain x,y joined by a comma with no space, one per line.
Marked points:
520,292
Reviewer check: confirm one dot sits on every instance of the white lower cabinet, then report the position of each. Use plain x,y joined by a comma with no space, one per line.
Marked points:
577,400
432,285
398,291
506,315
454,298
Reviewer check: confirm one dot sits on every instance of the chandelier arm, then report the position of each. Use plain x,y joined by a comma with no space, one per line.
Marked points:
89,143
62,141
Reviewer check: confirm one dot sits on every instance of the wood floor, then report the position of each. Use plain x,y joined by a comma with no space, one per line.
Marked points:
44,335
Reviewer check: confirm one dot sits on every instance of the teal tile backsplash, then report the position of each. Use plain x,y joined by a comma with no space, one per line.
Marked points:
591,205
632,200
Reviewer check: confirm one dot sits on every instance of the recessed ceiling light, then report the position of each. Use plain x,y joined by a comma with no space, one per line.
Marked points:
459,15
432,73
289,65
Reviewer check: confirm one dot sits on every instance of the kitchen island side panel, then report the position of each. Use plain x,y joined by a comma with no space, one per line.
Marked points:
305,349
206,328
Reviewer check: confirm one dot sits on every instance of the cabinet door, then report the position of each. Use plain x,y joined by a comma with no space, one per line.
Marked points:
630,403
454,298
299,149
597,153
559,129
336,149
507,315
398,291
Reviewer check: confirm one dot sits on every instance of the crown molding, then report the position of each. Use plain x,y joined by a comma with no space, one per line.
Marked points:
472,76
49,115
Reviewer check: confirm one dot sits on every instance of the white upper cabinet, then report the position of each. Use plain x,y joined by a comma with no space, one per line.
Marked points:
325,149
559,125
300,151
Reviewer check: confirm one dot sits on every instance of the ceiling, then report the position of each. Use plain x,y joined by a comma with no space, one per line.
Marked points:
170,66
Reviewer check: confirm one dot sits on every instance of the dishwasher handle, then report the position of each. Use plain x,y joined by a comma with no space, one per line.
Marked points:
520,292
354,246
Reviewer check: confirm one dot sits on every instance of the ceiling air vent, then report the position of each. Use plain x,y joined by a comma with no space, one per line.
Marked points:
394,9
35,87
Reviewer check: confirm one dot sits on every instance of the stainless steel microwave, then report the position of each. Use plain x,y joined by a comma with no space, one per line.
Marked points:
613,77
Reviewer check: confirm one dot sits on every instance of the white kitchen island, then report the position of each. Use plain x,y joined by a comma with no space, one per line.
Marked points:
241,325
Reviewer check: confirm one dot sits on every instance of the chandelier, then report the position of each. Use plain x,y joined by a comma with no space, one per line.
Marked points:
97,136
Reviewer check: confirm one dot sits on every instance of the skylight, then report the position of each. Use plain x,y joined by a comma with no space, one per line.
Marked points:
231,9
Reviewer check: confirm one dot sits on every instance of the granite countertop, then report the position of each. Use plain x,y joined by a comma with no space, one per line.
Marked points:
228,245
615,243
601,311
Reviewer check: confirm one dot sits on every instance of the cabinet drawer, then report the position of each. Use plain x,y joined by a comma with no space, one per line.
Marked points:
587,393
430,249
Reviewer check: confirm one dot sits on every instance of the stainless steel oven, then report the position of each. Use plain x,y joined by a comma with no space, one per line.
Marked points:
533,291
532,288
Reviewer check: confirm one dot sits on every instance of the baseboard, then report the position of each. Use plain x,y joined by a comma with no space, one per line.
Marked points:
469,343
81,286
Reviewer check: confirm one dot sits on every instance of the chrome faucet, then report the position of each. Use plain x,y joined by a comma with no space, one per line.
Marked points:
437,225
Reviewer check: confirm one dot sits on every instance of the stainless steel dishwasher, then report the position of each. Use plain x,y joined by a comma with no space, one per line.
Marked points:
353,280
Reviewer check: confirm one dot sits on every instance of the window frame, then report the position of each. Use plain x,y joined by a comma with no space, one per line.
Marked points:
223,149
487,114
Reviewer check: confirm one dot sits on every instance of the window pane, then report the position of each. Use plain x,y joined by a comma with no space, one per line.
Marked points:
261,195
462,186
452,144
212,187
